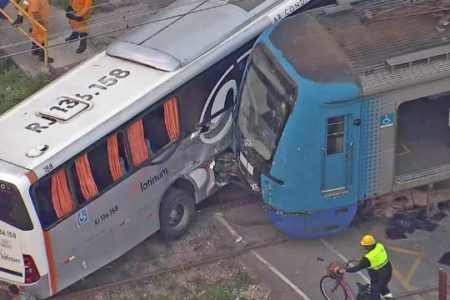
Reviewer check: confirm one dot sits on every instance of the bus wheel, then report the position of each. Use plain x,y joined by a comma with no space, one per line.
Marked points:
175,214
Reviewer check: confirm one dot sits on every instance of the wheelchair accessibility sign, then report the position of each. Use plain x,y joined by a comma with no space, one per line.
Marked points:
82,217
387,120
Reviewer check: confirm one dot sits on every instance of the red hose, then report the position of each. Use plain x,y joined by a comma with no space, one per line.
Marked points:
442,284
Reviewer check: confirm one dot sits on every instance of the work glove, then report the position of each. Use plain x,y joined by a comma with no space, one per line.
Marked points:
73,17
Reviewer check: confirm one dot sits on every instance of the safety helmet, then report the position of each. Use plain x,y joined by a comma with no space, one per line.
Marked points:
368,240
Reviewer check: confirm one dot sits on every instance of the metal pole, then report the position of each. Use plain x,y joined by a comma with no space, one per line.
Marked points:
442,284
43,46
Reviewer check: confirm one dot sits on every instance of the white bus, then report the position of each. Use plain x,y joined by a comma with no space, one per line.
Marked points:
123,145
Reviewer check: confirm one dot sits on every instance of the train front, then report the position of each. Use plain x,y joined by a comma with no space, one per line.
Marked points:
295,131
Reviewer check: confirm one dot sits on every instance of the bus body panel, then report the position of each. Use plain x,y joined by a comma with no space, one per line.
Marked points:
129,212
107,226
31,242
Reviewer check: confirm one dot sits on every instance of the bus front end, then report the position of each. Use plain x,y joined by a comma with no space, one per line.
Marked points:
23,259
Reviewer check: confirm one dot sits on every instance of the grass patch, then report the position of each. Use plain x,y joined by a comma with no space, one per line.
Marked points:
61,3
15,85
219,291
225,290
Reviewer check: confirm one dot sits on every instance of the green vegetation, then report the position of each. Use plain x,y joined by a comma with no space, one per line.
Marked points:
61,3
15,85
225,290
219,291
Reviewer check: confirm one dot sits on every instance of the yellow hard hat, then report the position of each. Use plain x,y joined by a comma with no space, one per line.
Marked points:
368,240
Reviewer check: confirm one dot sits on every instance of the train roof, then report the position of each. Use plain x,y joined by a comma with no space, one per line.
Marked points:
159,56
386,44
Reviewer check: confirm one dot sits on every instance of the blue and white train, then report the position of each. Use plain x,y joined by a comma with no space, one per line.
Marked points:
336,112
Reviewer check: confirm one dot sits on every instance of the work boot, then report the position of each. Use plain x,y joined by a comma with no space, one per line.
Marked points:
73,36
40,56
18,20
35,49
83,42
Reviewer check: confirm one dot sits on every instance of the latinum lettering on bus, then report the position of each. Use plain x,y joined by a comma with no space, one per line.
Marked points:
153,179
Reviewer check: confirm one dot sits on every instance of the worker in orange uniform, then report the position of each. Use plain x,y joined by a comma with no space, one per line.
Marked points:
24,5
40,11
78,12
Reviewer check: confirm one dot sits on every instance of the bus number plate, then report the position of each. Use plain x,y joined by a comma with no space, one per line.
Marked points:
64,108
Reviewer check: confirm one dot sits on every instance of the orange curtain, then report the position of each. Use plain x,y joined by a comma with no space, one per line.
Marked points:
85,178
113,158
139,151
61,196
171,118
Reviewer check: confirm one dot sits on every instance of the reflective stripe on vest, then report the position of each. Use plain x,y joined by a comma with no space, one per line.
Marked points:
377,257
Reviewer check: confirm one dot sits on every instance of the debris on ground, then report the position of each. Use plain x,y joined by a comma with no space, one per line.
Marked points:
401,224
445,259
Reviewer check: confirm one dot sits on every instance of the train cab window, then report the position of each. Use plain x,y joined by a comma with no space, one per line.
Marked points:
335,135
53,198
161,125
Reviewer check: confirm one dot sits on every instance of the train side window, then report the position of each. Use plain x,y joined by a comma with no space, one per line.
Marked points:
162,125
335,135
53,198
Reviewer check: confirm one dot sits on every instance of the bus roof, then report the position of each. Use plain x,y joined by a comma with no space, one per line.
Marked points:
27,128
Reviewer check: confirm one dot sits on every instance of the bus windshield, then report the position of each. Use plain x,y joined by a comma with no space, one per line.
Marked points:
266,97
12,208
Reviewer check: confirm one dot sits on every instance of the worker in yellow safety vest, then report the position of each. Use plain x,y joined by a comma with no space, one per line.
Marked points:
376,261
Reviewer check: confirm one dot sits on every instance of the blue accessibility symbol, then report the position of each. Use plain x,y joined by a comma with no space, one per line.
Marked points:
387,120
82,217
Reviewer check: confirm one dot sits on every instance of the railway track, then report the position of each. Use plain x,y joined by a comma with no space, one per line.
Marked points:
239,250
429,293
82,294
212,204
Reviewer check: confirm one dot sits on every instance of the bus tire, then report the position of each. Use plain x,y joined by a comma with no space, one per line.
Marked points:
175,213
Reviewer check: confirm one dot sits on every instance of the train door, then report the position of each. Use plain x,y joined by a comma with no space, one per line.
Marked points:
340,148
423,143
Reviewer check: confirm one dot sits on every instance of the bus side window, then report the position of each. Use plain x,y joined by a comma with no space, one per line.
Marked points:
53,198
138,146
92,172
335,135
161,125
117,156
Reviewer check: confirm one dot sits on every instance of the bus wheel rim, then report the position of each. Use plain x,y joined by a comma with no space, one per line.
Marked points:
176,215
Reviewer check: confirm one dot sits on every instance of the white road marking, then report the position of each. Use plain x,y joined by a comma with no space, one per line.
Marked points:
236,235
343,258
280,275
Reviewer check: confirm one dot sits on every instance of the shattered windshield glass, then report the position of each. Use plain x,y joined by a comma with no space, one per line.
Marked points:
265,102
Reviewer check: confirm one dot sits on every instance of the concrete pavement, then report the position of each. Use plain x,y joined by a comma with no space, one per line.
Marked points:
110,20
303,262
